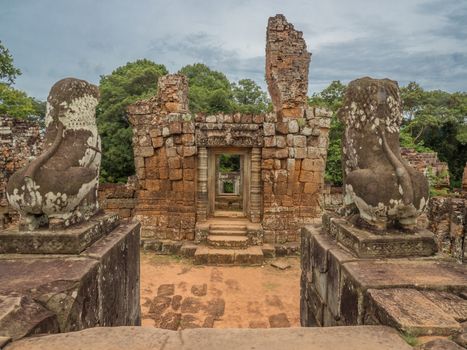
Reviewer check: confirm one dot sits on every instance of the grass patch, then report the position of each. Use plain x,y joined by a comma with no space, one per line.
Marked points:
410,339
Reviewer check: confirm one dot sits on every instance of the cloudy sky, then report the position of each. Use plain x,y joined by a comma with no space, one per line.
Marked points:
421,40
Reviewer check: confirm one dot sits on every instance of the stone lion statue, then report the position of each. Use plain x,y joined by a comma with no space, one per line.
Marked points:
59,188
386,191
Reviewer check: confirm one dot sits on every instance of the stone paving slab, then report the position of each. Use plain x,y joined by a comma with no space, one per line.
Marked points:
411,311
422,274
141,338
214,256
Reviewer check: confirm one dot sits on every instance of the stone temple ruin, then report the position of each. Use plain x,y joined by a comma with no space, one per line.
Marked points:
229,189
184,194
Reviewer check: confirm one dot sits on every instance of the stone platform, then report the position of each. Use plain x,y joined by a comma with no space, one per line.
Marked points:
70,241
418,296
228,241
52,293
145,338
388,244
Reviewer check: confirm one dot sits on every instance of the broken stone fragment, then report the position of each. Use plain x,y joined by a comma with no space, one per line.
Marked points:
287,61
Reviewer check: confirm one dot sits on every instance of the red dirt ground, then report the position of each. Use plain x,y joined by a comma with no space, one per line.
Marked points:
176,294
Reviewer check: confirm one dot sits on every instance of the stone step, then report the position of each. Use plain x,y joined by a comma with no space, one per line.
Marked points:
416,312
214,256
231,232
228,241
227,227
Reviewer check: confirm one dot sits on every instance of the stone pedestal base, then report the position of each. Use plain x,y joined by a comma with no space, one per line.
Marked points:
416,295
53,293
67,241
391,244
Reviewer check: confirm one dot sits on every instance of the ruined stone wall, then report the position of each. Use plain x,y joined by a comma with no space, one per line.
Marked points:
293,163
165,161
448,221
428,164
332,197
287,62
19,140
295,145
118,198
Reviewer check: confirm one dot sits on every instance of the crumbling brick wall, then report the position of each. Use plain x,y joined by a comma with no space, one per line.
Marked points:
118,198
19,141
448,221
428,164
164,149
295,145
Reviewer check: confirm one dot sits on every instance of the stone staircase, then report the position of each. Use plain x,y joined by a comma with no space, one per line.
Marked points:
227,242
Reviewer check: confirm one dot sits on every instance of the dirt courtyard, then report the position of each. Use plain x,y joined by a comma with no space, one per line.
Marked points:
176,294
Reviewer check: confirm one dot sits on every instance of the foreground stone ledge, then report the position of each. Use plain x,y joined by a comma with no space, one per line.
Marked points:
70,241
419,296
44,293
139,338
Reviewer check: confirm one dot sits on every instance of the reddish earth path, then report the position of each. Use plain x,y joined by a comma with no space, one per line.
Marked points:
176,294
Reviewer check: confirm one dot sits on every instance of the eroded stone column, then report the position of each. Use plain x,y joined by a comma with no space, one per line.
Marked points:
255,197
287,61
202,191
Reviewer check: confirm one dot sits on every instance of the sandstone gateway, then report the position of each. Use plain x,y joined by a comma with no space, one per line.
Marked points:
225,189
275,185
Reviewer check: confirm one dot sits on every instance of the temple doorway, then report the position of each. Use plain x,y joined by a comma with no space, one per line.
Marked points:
228,182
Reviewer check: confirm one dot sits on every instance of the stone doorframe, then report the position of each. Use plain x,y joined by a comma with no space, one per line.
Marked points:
251,181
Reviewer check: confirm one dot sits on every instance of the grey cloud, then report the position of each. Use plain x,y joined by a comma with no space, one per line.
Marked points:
402,39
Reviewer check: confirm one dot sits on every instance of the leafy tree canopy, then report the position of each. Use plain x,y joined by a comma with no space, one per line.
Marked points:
8,72
211,92
249,98
17,104
13,102
124,86
438,120
331,98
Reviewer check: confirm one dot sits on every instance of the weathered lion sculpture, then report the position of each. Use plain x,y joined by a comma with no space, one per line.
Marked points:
386,191
59,188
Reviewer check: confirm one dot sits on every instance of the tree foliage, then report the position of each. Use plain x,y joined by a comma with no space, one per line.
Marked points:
211,92
8,72
16,103
124,86
249,98
438,120
331,98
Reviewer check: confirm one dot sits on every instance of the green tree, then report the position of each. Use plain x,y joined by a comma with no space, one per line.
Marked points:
331,98
209,90
13,102
437,120
8,72
124,86
18,104
249,98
